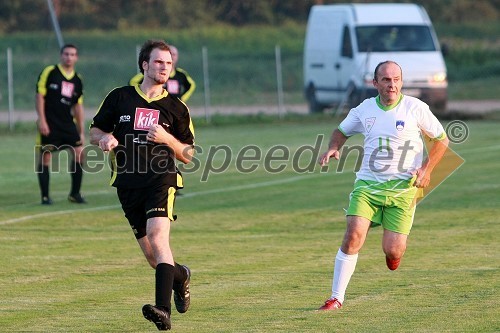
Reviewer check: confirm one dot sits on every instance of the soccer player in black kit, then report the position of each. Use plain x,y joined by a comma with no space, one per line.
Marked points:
145,129
59,106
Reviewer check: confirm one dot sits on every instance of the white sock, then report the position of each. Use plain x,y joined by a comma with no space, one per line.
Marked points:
342,272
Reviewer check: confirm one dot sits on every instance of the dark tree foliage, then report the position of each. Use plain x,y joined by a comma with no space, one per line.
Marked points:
33,15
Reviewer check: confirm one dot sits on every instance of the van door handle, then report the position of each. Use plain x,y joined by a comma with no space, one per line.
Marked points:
337,66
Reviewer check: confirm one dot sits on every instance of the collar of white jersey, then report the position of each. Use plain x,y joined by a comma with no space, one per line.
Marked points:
389,107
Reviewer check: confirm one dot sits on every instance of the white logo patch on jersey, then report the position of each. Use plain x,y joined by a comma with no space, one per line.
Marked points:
144,118
369,122
400,125
67,89
124,118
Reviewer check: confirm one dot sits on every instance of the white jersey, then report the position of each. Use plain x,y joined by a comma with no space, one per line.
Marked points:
393,146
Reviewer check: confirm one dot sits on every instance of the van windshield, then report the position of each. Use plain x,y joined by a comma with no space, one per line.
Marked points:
394,38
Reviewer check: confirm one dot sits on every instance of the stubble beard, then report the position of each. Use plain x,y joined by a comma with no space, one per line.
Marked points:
160,79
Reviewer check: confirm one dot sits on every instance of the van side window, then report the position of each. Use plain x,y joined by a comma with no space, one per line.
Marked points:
346,44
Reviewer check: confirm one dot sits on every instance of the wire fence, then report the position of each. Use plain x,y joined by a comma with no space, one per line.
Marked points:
270,80
223,79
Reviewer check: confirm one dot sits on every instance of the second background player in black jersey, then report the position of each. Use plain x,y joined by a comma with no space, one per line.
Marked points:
59,106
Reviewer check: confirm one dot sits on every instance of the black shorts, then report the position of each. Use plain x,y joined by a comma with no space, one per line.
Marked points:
60,140
140,204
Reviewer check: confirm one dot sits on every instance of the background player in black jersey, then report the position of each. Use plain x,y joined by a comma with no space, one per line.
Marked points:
146,129
59,105
179,84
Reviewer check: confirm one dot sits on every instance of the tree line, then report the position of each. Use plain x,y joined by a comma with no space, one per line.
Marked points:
33,15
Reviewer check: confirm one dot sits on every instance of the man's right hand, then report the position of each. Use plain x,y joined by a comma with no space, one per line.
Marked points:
43,127
108,142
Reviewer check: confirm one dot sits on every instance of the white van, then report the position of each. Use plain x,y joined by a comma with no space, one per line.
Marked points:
344,44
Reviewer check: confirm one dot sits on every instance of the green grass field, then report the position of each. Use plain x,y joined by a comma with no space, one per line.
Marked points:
260,245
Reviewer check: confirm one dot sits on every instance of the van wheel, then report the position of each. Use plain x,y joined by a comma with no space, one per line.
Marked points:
354,97
439,108
314,106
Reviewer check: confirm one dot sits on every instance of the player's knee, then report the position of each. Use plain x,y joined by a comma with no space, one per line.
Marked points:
352,243
79,156
394,251
46,158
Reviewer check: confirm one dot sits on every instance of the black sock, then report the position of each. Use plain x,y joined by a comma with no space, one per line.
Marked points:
43,173
164,284
180,274
76,178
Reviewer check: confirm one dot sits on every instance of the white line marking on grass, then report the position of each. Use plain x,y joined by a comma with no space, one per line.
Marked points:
187,195
61,212
214,191
251,186
58,195
478,150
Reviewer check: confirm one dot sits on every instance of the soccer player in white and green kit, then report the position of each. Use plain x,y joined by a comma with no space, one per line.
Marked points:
392,172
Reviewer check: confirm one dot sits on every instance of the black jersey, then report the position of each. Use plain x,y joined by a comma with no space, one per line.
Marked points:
128,113
60,93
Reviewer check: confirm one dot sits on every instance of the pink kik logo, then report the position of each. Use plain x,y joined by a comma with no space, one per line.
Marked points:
173,87
67,89
144,118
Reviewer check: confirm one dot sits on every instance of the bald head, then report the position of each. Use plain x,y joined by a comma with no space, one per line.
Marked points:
175,54
383,64
388,80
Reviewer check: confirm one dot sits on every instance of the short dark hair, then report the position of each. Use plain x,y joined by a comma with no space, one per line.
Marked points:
375,73
68,46
147,48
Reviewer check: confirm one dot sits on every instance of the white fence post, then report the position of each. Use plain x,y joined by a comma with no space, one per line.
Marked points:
10,85
279,81
137,52
55,23
206,82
